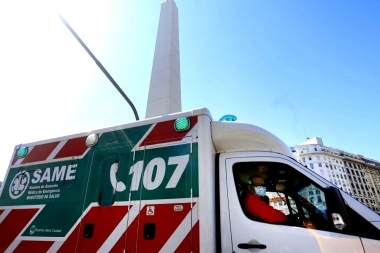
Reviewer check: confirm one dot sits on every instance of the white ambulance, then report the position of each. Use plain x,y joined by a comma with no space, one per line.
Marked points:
175,183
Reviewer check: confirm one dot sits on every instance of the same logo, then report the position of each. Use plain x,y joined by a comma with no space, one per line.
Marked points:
19,184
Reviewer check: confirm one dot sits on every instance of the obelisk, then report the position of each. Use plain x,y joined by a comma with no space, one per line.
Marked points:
165,82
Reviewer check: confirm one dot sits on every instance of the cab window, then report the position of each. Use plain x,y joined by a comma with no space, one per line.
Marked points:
284,195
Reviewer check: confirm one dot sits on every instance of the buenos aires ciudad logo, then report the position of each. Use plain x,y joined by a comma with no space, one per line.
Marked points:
19,184
32,230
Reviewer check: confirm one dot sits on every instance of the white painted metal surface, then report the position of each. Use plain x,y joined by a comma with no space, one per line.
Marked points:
371,246
206,172
277,238
233,136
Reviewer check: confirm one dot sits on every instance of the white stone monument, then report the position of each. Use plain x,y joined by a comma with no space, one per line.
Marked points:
165,82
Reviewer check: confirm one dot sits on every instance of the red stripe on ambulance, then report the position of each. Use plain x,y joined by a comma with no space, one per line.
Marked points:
164,132
128,240
40,152
104,219
166,219
33,246
191,241
73,147
71,242
13,224
15,158
53,150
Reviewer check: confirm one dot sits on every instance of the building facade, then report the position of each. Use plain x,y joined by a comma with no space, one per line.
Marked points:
352,173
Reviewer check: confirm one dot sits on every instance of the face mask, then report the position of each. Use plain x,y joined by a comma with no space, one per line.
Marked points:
260,190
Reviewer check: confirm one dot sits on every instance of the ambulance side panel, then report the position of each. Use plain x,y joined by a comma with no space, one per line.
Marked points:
43,195
136,189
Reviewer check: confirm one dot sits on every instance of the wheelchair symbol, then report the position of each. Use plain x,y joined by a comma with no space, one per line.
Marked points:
150,210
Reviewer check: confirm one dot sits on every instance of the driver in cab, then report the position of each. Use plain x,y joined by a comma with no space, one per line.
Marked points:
256,203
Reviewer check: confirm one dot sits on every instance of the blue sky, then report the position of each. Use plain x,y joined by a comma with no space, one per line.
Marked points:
295,68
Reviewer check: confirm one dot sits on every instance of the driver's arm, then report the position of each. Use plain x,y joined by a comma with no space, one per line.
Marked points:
258,208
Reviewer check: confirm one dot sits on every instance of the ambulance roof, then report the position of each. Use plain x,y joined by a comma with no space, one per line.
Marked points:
226,136
234,137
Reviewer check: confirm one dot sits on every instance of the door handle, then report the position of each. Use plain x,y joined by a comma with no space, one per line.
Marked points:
251,246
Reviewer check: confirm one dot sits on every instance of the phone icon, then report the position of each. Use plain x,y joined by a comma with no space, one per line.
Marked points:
118,186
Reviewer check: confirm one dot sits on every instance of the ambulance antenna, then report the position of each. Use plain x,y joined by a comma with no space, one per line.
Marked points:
305,134
100,66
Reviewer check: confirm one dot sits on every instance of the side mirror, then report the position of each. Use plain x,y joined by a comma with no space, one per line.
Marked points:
337,208
338,221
